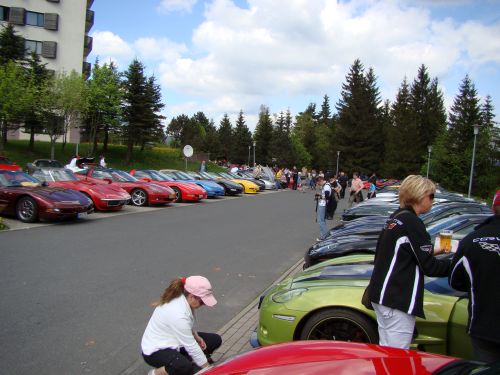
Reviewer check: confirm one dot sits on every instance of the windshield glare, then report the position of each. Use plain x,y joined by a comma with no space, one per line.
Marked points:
17,179
57,175
183,175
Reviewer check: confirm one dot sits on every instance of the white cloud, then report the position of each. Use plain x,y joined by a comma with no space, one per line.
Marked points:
110,47
243,57
169,6
159,49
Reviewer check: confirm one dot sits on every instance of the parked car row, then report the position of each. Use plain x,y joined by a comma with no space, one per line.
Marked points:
51,192
323,302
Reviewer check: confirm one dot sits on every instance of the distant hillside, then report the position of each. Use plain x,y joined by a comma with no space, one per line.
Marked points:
153,158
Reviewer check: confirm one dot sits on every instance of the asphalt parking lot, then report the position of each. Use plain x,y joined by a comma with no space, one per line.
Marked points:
14,224
76,296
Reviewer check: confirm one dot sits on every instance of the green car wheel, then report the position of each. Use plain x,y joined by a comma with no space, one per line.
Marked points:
340,324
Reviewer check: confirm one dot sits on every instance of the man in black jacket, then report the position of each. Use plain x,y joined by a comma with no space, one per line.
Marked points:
476,269
403,256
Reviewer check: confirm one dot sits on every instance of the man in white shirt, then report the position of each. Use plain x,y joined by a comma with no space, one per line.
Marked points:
321,207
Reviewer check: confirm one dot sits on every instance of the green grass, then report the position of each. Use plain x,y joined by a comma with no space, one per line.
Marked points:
160,157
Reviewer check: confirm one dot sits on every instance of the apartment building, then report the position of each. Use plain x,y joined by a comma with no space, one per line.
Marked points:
57,30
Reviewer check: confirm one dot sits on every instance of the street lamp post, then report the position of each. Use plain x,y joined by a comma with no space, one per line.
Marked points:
429,149
249,147
254,153
476,132
337,172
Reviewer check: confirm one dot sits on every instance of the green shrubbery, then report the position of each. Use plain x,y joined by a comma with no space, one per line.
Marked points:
157,157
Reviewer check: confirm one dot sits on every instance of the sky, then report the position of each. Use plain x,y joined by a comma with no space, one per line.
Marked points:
223,56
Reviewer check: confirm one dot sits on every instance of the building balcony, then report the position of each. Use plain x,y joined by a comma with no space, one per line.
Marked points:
89,20
87,47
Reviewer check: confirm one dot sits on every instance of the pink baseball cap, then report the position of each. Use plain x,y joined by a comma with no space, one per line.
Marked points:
200,287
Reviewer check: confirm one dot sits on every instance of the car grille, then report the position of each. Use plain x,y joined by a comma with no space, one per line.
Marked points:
116,202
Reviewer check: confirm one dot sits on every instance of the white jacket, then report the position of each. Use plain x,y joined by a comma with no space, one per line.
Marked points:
171,326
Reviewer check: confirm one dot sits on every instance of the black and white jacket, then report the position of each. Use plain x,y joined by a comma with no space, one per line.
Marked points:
476,269
404,255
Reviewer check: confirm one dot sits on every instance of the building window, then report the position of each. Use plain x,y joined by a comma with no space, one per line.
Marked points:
34,19
33,46
4,13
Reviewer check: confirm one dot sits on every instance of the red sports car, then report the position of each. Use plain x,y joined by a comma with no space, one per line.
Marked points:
8,165
25,197
142,193
184,191
106,197
337,357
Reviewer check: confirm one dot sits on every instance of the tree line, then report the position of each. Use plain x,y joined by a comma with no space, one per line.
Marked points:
111,106
362,133
411,135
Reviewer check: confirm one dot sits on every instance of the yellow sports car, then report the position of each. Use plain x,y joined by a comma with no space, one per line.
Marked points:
248,186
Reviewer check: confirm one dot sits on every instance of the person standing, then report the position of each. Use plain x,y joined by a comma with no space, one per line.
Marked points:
372,191
343,183
203,166
331,204
373,179
170,343
295,176
356,192
102,162
404,254
312,182
476,269
321,200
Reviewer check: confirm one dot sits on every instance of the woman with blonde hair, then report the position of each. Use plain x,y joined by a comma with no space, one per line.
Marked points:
170,344
403,256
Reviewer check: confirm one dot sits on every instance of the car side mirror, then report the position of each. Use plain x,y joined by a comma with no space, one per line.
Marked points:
108,180
45,183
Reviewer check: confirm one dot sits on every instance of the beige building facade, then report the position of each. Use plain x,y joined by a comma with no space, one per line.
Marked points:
58,31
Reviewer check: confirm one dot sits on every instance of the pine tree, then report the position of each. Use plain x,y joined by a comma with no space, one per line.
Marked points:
225,134
242,141
429,113
453,153
281,144
11,45
359,120
263,137
153,126
135,105
400,154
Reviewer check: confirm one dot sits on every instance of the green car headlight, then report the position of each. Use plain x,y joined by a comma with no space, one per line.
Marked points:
287,295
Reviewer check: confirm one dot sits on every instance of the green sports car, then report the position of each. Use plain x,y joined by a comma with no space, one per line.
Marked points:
324,303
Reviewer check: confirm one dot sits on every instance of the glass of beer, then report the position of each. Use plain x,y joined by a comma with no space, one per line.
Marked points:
445,240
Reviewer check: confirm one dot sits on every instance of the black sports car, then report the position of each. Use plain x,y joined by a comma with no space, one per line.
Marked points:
230,187
365,242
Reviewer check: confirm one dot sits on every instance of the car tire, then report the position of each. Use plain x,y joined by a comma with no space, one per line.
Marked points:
178,195
27,210
139,197
340,324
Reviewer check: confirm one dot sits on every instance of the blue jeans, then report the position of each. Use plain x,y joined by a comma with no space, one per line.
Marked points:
321,219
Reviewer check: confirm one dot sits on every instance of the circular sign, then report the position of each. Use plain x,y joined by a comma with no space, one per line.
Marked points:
188,151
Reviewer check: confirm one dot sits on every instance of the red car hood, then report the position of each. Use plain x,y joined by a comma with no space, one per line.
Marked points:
106,190
187,186
327,357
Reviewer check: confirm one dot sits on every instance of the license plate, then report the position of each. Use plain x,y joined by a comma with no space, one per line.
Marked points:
82,215
200,196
